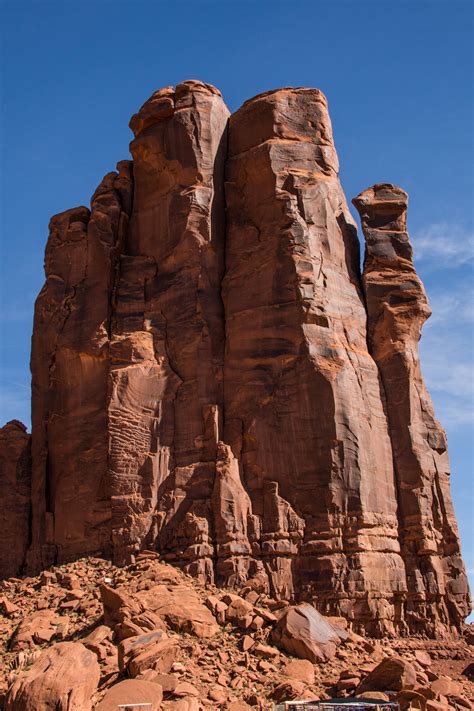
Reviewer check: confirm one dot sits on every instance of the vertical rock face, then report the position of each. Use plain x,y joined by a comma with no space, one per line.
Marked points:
204,383
397,309
15,496
302,395
168,339
69,364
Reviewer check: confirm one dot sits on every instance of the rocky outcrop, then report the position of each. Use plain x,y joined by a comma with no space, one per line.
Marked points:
15,496
397,308
167,345
64,677
214,379
71,495
302,394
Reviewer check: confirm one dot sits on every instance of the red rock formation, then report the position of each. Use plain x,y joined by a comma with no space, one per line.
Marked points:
168,341
69,364
15,496
302,394
202,382
397,308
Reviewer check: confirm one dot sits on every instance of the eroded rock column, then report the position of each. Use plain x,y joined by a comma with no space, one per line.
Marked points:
303,404
397,309
167,351
70,366
15,497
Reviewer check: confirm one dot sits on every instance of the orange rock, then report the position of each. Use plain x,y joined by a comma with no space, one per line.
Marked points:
38,628
147,651
287,690
393,674
303,632
397,308
445,686
132,691
64,676
194,315
423,658
15,496
301,670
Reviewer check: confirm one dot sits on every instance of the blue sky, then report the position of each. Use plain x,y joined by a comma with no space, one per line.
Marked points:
399,80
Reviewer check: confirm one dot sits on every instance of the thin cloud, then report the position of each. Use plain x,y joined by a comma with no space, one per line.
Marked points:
443,245
447,349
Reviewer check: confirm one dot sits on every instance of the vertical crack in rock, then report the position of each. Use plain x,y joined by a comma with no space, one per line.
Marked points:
438,596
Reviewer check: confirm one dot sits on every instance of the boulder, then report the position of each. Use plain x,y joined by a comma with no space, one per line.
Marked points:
147,651
304,632
300,670
132,691
445,686
240,613
287,690
180,607
423,658
409,699
392,674
65,677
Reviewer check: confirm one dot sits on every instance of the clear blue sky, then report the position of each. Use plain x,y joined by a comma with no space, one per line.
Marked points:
399,80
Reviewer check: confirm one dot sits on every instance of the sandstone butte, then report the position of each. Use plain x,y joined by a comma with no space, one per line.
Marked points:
213,377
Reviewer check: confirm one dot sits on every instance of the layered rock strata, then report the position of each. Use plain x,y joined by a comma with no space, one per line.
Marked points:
204,383
397,308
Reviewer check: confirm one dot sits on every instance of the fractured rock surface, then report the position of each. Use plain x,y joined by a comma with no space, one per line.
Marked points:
215,380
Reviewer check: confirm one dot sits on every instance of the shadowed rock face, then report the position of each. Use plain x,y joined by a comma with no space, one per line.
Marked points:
204,383
15,496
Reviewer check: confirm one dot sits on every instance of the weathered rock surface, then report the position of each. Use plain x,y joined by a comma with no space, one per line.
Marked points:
132,691
303,632
236,668
392,674
64,677
71,494
304,414
15,496
147,651
205,384
397,307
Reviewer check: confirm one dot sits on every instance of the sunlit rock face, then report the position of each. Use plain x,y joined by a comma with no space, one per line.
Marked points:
397,308
213,378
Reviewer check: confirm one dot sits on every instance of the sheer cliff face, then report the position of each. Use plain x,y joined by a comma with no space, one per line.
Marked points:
397,307
213,378
15,496
302,394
